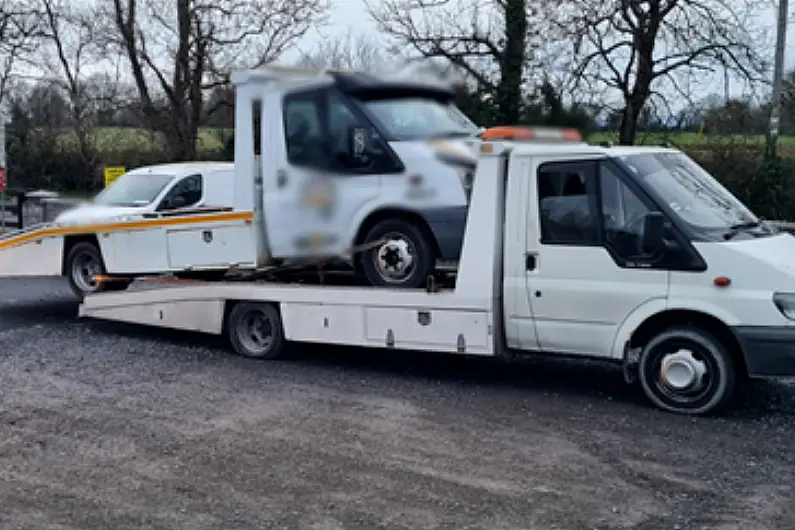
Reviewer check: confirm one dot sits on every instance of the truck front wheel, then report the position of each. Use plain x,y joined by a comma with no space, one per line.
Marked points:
686,370
405,257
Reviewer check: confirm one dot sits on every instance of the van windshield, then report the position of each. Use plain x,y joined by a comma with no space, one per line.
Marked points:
692,193
133,189
420,118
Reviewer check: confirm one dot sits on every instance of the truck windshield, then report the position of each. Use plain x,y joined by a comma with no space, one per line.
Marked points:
133,189
418,118
695,195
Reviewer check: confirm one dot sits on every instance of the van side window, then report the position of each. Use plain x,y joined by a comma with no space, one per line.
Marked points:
566,205
302,131
342,122
623,214
187,192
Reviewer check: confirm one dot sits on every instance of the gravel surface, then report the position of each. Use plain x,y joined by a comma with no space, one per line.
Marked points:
117,427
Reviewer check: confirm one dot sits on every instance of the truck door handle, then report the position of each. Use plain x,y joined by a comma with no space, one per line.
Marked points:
530,261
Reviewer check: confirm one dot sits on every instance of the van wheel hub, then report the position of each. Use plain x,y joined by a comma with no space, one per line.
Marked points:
84,270
394,258
682,372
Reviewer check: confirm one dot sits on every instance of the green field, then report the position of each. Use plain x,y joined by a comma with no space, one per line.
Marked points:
124,139
690,139
211,140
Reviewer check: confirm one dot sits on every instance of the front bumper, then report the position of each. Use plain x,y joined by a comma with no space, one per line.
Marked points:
768,351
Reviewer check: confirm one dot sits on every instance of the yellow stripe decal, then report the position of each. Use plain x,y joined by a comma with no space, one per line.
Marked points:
128,225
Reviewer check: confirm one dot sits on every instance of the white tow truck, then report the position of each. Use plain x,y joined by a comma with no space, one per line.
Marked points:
634,255
399,156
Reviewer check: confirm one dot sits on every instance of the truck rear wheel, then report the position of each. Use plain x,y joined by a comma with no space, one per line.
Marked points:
255,330
687,370
405,259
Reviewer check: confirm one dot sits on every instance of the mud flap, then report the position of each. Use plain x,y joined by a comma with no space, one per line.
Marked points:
629,366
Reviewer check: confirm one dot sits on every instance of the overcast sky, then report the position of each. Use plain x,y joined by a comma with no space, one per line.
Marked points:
351,14
348,14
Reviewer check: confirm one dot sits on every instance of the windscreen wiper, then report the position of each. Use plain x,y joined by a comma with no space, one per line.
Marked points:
747,225
453,134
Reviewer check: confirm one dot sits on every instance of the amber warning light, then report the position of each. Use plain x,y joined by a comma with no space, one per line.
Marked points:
539,134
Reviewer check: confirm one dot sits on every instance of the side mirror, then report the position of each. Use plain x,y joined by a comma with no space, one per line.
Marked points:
357,141
653,233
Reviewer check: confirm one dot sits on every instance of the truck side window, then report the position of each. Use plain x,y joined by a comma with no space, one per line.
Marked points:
566,205
186,192
302,131
622,213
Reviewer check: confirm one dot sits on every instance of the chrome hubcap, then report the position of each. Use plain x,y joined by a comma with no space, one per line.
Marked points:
682,372
394,259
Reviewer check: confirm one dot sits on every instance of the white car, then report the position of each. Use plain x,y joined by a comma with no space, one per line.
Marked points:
153,192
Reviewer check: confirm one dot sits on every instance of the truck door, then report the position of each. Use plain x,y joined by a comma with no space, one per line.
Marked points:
584,272
318,186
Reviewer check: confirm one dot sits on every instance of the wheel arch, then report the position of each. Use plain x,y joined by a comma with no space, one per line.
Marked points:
71,240
390,212
691,317
229,309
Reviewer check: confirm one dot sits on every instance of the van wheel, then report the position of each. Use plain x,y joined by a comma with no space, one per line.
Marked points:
405,259
686,370
255,330
82,264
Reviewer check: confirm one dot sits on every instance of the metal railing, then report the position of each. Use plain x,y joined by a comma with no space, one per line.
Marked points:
12,209
25,209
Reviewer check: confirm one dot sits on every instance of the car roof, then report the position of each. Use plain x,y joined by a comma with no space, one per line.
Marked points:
181,169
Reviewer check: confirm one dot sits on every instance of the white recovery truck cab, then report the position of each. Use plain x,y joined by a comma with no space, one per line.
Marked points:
629,254
390,162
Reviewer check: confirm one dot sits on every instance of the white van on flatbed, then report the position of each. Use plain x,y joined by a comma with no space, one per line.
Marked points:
389,162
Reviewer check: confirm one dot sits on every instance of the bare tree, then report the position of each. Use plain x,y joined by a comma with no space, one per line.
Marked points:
18,29
636,46
490,41
178,49
351,52
69,52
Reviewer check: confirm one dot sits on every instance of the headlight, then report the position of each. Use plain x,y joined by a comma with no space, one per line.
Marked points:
785,302
452,154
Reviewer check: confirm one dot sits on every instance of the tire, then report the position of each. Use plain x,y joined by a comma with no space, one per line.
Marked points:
687,350
83,260
240,324
406,238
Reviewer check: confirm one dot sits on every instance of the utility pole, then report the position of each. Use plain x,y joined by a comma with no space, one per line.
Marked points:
3,174
778,75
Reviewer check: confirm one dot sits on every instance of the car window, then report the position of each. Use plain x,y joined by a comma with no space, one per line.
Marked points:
185,193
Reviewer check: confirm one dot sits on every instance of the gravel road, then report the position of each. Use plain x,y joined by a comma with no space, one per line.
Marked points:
105,426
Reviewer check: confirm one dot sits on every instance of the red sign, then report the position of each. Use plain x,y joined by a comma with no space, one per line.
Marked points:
3,180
